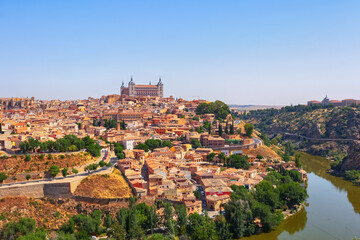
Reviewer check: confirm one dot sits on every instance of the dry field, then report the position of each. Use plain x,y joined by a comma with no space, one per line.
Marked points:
265,151
104,186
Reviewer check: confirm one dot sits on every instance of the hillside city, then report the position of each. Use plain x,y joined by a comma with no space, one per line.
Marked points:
140,145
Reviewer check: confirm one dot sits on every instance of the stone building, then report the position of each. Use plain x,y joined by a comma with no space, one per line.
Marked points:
134,90
336,103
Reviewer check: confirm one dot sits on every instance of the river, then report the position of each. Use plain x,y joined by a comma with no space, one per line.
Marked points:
332,210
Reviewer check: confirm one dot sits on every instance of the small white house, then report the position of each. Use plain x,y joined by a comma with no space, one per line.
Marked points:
128,144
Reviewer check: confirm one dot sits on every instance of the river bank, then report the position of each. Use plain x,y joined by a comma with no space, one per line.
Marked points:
332,210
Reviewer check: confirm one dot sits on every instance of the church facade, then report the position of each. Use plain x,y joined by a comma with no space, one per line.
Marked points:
134,90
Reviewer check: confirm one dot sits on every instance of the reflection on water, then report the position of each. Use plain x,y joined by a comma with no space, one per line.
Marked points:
332,210
292,224
319,166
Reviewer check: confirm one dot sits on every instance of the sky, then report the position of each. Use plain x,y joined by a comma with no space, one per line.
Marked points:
241,51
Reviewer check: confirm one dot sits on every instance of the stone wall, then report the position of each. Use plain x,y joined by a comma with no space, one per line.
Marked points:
42,189
33,190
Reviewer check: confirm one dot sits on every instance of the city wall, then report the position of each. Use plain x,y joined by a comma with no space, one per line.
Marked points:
41,189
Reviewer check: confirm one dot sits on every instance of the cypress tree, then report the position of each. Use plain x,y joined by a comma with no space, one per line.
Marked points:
232,128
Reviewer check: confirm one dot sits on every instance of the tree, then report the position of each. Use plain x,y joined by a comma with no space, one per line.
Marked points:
158,236
68,227
292,193
206,231
238,161
142,146
220,130
14,230
195,143
120,155
64,172
94,150
249,129
210,157
3,177
227,127
297,160
169,224
222,228
108,220
166,143
268,195
286,157
219,108
207,126
239,216
122,125
54,170
352,175
180,211
65,236
197,194
153,143
232,131
152,218
295,175
289,148
28,176
268,219
37,235
109,123
117,232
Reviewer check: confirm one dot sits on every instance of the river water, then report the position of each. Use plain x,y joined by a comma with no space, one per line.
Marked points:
332,210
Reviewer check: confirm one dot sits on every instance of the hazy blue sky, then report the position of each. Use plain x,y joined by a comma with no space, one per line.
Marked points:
241,51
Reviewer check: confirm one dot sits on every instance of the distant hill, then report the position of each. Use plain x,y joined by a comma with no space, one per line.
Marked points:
339,124
253,107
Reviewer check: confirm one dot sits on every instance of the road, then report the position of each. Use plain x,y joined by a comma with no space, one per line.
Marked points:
320,139
239,146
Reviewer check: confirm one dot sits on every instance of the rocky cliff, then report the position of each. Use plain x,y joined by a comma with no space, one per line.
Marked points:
338,123
352,160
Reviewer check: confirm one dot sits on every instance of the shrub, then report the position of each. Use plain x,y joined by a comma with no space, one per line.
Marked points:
54,170
27,158
74,170
3,177
62,156
90,167
73,148
352,175
102,163
28,176
64,172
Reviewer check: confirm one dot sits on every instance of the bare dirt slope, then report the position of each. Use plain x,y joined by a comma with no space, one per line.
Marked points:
104,186
263,151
